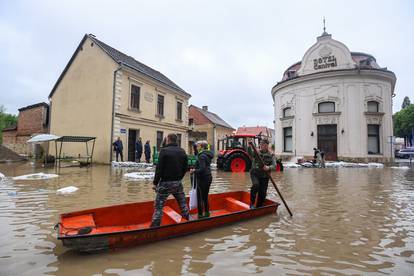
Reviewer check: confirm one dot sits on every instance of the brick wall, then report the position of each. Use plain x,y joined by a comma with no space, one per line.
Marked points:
9,137
197,116
31,121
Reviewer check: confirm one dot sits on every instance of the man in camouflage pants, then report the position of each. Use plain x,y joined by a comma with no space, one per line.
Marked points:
259,174
171,168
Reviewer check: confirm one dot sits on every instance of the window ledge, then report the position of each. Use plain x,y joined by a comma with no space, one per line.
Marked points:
287,118
179,120
288,152
134,109
375,154
327,114
374,113
159,116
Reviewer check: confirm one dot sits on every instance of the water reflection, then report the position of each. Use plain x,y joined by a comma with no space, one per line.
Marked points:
346,221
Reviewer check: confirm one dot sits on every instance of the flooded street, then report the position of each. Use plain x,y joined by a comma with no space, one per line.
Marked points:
347,221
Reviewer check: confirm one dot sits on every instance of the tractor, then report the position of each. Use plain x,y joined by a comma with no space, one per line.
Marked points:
232,152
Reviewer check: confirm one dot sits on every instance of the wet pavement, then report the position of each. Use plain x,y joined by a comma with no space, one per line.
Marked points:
347,221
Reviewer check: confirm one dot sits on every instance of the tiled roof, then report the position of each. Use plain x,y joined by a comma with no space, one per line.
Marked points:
254,130
212,117
135,64
34,106
126,60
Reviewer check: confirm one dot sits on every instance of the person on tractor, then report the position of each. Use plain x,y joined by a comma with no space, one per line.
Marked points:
259,174
203,178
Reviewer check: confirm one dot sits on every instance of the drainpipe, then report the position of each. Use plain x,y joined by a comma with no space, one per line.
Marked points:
214,139
113,111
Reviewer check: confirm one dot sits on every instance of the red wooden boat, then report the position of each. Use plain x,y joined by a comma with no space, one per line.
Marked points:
128,224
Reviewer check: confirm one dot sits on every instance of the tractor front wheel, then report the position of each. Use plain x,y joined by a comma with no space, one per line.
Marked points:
237,162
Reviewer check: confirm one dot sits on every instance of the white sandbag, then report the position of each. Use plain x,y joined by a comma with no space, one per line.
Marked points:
2,176
193,194
67,190
401,168
131,164
140,175
375,165
291,165
35,176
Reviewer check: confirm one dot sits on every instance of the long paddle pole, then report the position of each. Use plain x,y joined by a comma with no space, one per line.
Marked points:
270,177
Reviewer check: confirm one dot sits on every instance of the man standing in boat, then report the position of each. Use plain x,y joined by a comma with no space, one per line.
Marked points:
259,174
170,170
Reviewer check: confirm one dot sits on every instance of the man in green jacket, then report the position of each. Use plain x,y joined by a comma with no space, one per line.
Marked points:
259,173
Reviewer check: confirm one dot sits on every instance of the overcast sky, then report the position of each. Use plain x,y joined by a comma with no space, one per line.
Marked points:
226,54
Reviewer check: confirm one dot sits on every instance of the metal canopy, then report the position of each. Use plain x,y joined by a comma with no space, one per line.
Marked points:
75,139
87,159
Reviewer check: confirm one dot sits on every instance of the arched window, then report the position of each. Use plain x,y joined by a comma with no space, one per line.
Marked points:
326,107
287,112
373,106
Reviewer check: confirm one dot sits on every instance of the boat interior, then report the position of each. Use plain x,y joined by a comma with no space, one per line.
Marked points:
135,216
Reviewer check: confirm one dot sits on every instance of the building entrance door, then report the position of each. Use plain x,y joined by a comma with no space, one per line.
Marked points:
327,141
133,134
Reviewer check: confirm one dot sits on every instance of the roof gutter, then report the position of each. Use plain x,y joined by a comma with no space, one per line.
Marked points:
113,110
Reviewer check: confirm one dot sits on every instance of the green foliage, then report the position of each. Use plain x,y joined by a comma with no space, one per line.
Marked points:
404,121
406,102
6,120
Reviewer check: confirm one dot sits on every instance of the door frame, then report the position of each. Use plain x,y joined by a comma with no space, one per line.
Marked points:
329,155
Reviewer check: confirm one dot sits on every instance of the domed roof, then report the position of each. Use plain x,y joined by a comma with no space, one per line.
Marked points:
328,54
363,60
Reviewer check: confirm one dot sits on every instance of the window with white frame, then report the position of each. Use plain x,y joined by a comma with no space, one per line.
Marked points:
179,111
373,139
160,105
287,112
326,107
373,106
135,96
287,139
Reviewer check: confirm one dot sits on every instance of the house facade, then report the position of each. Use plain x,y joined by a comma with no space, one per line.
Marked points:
336,100
32,120
105,93
206,125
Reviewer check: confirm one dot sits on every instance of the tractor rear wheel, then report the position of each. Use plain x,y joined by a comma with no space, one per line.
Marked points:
237,162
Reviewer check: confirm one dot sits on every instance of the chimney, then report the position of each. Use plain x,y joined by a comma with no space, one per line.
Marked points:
205,107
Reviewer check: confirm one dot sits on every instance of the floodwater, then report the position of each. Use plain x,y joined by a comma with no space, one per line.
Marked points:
347,221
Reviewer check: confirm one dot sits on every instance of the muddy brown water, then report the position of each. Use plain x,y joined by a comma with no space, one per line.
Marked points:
347,221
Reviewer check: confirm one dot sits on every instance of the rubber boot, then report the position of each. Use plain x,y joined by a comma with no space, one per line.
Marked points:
207,214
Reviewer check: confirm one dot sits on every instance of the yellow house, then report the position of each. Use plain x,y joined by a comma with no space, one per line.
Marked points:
105,93
206,125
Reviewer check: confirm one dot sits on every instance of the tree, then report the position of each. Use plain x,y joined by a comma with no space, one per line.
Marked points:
406,102
6,120
404,123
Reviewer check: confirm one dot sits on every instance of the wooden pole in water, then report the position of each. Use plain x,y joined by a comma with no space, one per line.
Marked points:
270,177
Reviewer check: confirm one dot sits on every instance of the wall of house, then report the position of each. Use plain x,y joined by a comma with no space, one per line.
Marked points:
82,103
29,122
216,133
32,121
145,119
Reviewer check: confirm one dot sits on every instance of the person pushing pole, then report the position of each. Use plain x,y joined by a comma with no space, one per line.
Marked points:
266,168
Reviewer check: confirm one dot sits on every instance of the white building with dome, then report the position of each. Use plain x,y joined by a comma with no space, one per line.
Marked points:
336,100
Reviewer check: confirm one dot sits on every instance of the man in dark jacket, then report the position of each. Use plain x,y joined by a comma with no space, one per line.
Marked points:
170,170
138,150
147,151
203,177
118,148
259,174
